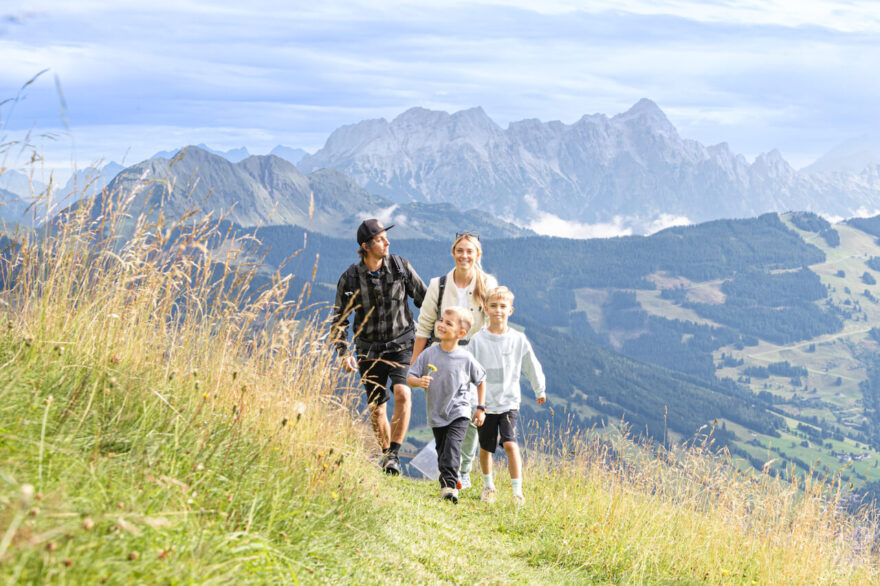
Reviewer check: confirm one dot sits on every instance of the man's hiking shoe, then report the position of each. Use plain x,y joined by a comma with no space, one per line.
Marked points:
464,480
488,494
519,499
449,494
391,464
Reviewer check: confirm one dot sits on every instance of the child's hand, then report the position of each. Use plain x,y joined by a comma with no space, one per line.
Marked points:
541,400
479,417
424,381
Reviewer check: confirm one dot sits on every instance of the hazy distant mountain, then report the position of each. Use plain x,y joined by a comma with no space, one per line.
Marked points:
232,155
20,184
850,157
632,169
288,153
13,208
264,190
91,180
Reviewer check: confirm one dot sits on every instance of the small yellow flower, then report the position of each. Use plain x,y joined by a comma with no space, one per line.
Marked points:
432,368
334,495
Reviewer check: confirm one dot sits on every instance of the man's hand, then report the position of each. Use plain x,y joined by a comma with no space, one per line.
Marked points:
541,400
349,364
479,417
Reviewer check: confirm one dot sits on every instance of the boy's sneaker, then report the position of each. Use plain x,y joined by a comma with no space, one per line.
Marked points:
464,480
488,494
519,499
391,464
448,493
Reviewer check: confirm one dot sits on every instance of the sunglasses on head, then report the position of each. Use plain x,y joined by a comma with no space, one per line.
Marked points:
462,234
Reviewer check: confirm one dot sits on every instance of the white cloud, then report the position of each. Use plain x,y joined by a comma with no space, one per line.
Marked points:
667,221
550,225
384,215
797,76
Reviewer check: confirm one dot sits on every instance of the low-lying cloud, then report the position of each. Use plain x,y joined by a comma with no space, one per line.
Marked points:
548,224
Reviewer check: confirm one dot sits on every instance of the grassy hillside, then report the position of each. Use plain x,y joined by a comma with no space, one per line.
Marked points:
159,428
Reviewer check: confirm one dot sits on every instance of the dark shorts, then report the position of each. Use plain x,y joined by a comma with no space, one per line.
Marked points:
497,429
376,372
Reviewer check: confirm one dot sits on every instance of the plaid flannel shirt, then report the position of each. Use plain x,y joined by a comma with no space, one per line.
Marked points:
379,303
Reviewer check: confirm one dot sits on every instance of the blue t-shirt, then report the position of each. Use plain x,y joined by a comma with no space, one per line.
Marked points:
449,394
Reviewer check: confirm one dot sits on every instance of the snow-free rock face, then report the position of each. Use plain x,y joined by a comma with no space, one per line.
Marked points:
633,166
267,190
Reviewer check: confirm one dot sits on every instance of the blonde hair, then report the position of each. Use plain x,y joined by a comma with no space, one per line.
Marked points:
465,321
500,291
480,287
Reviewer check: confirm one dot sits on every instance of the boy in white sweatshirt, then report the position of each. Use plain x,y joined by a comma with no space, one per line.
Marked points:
504,353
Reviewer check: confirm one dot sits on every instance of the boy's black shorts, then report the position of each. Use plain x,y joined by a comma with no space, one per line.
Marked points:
498,428
376,372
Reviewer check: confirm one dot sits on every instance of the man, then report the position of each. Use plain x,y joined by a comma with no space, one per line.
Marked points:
376,290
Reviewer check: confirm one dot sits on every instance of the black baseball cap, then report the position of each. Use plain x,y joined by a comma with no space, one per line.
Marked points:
370,228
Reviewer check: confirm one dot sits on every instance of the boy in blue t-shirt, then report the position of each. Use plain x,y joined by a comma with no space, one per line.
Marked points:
446,371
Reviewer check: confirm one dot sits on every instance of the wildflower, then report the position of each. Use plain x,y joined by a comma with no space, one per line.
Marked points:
334,495
88,524
133,555
432,368
115,359
68,562
51,546
26,495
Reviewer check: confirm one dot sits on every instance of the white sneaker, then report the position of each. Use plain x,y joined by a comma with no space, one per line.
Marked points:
449,494
519,499
464,479
488,494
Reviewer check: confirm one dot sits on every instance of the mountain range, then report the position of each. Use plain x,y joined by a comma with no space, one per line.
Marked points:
632,170
292,155
268,190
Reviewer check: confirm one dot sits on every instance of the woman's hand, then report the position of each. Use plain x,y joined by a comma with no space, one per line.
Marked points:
479,417
349,364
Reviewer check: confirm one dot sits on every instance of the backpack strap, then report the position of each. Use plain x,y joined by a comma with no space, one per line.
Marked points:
397,266
352,280
441,289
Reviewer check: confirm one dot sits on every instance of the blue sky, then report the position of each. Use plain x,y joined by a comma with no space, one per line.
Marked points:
127,79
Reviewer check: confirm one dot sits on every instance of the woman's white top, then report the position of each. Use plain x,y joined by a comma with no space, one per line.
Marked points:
451,297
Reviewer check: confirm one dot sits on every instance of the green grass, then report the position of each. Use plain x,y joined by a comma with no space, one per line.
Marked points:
161,428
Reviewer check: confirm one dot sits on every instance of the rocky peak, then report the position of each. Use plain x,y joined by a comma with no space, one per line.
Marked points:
646,114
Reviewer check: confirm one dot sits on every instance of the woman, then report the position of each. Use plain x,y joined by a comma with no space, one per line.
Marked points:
465,286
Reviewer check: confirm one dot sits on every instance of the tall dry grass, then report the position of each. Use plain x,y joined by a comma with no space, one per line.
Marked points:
633,509
139,353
